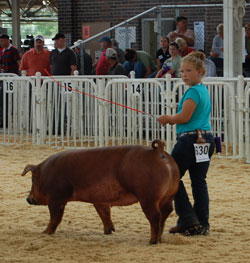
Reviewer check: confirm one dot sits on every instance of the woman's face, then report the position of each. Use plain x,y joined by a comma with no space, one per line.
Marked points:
182,47
164,42
247,30
221,35
173,51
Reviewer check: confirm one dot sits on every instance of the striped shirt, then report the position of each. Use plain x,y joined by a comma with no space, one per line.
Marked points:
9,58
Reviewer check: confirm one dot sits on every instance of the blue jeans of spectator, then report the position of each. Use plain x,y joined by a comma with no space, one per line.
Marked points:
137,66
218,62
152,75
184,155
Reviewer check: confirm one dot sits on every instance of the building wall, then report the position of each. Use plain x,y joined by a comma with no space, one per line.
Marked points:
72,14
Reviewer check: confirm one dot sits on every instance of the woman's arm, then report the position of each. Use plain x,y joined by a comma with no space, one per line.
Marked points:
159,73
158,63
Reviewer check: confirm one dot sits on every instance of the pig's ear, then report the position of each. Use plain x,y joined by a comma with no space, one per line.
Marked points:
158,145
28,168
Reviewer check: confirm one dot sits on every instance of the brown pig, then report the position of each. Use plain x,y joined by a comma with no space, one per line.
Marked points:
105,177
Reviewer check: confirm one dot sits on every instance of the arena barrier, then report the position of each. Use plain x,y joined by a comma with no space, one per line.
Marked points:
92,111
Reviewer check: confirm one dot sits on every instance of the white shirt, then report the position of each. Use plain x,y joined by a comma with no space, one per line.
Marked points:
210,68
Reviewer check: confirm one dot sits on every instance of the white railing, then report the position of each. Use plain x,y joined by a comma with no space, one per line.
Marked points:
91,111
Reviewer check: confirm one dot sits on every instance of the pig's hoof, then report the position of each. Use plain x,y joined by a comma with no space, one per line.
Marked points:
109,230
48,232
153,242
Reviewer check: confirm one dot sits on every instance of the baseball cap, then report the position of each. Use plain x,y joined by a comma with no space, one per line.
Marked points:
58,35
111,53
39,37
4,36
105,38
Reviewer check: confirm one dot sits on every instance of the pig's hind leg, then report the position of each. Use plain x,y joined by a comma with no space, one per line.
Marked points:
166,209
56,213
105,215
153,214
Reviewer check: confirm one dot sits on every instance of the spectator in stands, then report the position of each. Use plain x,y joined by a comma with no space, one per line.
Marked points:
9,56
115,67
246,65
171,65
62,59
162,54
217,51
87,60
140,62
36,59
102,66
182,31
183,47
120,52
210,66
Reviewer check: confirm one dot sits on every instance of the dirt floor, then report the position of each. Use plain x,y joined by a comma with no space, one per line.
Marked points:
80,238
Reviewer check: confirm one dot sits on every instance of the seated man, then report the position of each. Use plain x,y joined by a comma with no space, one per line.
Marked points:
140,62
115,68
182,31
217,51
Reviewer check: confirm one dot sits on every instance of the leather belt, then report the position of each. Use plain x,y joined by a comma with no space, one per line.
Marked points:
193,133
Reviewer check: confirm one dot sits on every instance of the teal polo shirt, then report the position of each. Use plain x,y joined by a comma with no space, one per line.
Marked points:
201,116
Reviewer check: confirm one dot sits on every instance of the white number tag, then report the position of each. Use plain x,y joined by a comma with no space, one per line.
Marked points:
201,152
9,86
67,87
135,88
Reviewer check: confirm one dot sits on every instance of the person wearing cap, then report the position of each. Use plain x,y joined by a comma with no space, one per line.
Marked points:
138,61
9,56
246,65
87,60
63,60
36,59
120,52
102,66
115,68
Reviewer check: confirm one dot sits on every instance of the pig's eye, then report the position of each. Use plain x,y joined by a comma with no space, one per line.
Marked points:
163,156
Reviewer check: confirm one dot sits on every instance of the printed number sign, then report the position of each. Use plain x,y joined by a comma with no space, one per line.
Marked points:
9,86
67,87
136,88
201,152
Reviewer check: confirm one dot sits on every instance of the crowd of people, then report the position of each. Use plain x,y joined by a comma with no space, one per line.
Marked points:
64,61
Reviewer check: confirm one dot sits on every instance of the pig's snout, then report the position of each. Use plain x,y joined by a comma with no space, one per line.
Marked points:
31,201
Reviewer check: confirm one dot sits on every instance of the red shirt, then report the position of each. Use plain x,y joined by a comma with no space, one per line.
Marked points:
9,59
188,50
102,66
34,62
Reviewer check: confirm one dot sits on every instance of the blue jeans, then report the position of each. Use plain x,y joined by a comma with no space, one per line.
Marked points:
184,155
137,66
